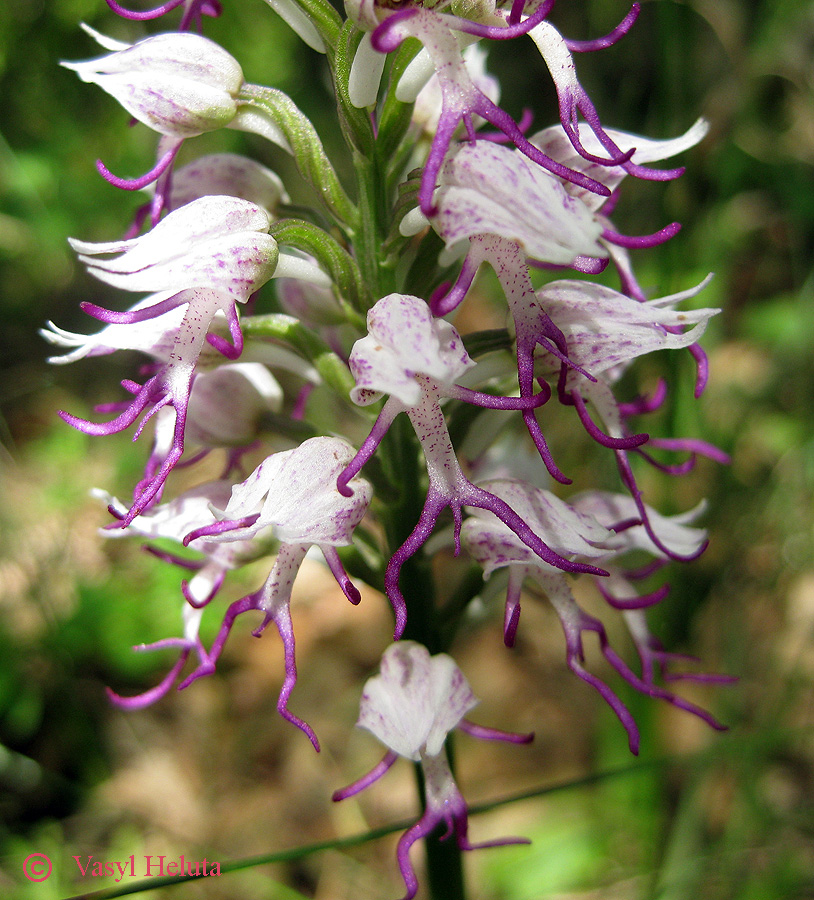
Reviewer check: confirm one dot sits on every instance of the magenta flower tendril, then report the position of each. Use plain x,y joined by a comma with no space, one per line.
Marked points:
556,143
172,521
194,10
411,707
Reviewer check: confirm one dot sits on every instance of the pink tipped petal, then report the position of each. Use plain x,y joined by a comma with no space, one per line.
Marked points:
141,701
366,780
144,15
639,602
642,241
494,734
138,184
341,576
620,443
609,39
282,619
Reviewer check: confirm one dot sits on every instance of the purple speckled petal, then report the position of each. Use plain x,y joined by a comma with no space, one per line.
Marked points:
416,700
405,340
179,84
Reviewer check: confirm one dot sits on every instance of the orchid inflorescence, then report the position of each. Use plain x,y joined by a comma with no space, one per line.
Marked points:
446,181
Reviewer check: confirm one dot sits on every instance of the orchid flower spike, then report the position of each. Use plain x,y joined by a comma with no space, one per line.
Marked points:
208,256
416,358
292,495
411,707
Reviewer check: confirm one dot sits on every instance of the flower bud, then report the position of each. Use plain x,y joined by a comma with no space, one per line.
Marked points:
179,84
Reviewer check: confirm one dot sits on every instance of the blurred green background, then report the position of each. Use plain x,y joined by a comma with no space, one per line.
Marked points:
213,771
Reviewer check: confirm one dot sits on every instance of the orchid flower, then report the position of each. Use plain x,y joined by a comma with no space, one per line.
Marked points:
677,534
554,142
461,98
411,707
179,84
574,531
292,494
173,521
605,331
208,256
416,358
518,212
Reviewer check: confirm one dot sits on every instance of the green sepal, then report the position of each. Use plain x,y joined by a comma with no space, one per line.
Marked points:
333,258
304,143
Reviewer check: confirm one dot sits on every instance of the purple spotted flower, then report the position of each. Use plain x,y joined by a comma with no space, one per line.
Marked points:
179,84
416,358
575,532
605,331
207,256
172,522
411,707
516,213
291,496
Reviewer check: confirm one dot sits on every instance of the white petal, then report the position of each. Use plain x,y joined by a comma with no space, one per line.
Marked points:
416,700
298,21
405,340
365,74
490,189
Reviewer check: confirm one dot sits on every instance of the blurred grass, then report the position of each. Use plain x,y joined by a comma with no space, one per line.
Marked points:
214,769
